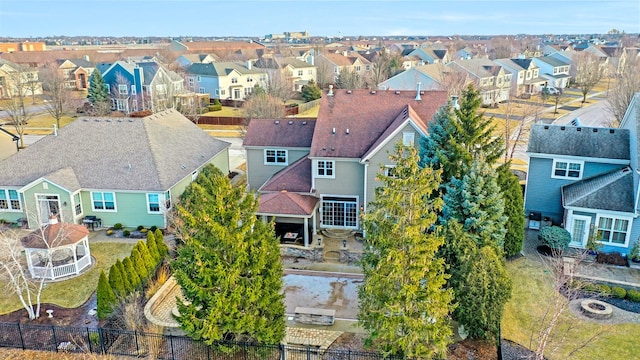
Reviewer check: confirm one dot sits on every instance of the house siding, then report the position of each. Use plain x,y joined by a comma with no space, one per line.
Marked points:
220,161
349,180
31,208
258,173
131,210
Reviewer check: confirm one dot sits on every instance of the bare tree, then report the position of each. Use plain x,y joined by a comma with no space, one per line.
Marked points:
518,119
501,48
587,72
280,84
120,93
15,107
191,104
626,84
61,98
325,74
452,80
263,106
349,79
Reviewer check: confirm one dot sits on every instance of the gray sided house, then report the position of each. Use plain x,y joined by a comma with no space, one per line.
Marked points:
120,170
329,170
583,179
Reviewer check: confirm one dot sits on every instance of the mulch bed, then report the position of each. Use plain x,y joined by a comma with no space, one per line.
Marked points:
77,317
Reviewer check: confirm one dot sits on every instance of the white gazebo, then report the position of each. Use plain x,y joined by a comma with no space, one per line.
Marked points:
57,250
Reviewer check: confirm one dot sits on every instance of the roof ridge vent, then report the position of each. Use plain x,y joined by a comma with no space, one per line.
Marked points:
119,120
290,122
277,122
397,92
611,131
333,131
373,92
347,131
349,91
304,123
595,130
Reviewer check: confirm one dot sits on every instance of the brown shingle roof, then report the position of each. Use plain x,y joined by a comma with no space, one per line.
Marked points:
295,177
366,115
54,235
280,132
287,203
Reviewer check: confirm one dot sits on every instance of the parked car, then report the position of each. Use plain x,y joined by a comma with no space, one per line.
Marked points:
551,90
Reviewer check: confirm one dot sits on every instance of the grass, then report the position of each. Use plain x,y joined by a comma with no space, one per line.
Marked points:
532,292
76,291
227,111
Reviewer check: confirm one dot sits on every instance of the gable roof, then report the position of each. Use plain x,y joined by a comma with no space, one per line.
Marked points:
222,69
287,203
580,141
366,115
280,132
147,154
294,178
611,191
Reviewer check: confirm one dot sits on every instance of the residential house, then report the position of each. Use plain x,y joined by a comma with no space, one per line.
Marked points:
431,77
585,180
490,78
337,62
554,70
15,79
185,60
119,170
144,85
76,72
525,77
226,80
298,72
430,55
322,175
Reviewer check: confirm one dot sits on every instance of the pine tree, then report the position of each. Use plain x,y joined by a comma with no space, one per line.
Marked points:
105,297
139,264
115,281
486,290
513,209
149,264
403,304
98,93
228,265
311,91
132,274
153,247
457,136
125,278
161,245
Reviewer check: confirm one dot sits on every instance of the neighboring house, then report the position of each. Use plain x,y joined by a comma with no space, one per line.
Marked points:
15,78
225,80
298,71
338,62
120,170
323,175
556,71
430,77
585,179
76,72
146,85
185,60
430,56
490,78
525,77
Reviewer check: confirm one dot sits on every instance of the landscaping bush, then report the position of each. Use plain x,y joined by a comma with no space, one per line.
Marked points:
153,228
105,297
144,231
126,233
554,237
140,227
603,289
215,107
618,292
117,226
109,232
612,258
589,287
633,295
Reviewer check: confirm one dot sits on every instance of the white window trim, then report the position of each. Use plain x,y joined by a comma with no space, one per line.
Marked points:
408,138
75,204
629,220
317,168
123,89
167,199
358,210
9,207
388,173
286,157
194,175
160,198
115,202
569,162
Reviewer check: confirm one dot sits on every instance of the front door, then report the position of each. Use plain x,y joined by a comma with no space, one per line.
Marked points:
579,230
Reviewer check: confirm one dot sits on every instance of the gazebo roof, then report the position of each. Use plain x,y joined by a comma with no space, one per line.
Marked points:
55,235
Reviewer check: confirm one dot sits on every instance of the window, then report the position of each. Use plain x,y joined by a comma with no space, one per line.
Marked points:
325,168
263,77
310,72
133,89
564,169
121,105
275,157
161,89
339,212
613,231
217,92
201,90
223,92
358,68
108,88
77,204
194,175
249,79
9,200
198,79
134,102
367,67
247,91
122,89
167,200
103,201
234,80
408,138
300,72
153,203
390,171
191,82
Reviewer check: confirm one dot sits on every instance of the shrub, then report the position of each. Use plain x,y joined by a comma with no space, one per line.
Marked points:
555,237
215,107
612,258
140,227
117,226
153,228
109,232
618,292
604,289
633,295
126,233
105,297
144,231
589,287
634,253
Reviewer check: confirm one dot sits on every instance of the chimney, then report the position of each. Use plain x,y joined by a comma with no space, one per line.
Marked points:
249,64
330,93
454,102
53,219
310,60
418,90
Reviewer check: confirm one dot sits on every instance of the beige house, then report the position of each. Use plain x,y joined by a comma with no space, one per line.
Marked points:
15,79
337,62
493,81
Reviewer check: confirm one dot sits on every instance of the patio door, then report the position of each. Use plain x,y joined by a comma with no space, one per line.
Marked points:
579,230
48,205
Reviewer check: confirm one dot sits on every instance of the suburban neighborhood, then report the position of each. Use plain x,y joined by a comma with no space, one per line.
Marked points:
300,195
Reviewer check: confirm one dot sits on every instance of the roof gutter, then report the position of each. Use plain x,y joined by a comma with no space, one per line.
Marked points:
13,137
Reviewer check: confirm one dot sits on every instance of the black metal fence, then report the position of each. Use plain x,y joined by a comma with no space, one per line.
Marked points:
155,346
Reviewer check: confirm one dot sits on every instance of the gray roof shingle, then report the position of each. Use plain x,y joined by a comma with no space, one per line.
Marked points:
611,191
579,141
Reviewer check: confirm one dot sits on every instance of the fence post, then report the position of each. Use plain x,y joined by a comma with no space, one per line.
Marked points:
308,353
349,355
171,344
55,341
283,355
21,338
101,338
89,339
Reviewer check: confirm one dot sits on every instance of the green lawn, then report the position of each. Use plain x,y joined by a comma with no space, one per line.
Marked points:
532,293
74,292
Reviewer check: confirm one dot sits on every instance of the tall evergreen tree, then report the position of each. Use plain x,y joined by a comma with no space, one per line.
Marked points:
513,209
476,202
132,274
153,247
149,263
458,135
163,249
311,91
228,265
105,297
139,264
98,94
403,304
115,281
125,277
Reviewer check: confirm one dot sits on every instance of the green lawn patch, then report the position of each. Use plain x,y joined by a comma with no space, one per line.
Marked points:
74,292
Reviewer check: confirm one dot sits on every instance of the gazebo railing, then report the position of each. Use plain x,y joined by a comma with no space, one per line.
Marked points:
56,272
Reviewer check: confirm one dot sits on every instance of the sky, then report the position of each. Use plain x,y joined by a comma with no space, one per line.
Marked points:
175,18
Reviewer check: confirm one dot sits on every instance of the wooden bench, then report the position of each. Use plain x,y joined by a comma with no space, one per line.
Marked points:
314,316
